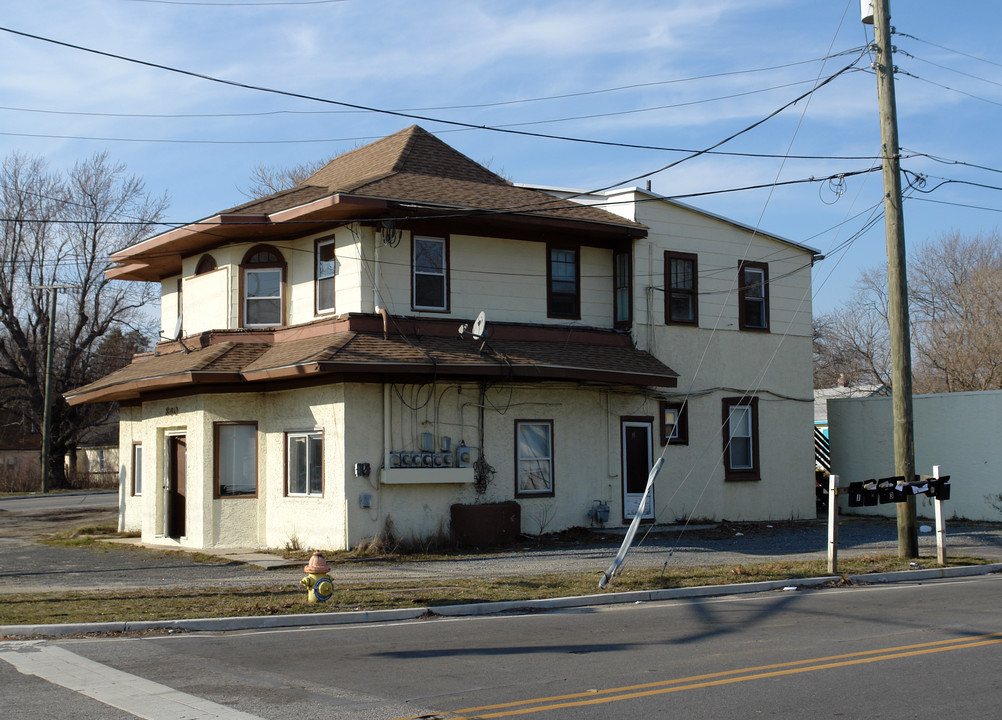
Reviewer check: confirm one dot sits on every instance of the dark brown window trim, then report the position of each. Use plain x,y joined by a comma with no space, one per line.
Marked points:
206,264
283,265
743,290
285,466
628,322
329,240
741,474
553,472
447,253
682,426
694,292
215,461
133,462
550,313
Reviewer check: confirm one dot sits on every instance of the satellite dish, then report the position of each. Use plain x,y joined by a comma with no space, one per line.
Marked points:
479,325
177,328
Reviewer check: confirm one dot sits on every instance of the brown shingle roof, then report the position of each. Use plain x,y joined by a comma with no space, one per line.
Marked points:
362,356
413,165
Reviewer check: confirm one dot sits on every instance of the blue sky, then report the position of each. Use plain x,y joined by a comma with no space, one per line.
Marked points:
658,73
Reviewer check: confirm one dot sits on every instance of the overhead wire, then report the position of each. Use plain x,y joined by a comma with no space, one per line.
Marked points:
760,378
358,106
470,106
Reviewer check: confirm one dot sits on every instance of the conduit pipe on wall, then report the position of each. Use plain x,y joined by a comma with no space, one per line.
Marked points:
386,425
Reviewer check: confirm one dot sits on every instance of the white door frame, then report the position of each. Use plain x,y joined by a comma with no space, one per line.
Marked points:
631,501
165,483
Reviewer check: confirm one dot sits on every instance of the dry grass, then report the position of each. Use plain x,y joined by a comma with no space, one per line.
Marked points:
157,604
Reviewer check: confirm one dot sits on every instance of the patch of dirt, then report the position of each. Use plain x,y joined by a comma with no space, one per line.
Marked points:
37,525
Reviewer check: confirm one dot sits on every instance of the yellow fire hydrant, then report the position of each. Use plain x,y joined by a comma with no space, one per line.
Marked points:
318,584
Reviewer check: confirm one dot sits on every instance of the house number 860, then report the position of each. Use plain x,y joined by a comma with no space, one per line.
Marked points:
172,410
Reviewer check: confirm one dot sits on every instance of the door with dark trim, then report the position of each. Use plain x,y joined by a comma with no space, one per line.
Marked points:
637,449
176,462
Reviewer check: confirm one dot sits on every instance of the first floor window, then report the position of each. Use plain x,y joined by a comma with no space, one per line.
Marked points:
137,469
534,457
304,457
674,423
741,460
236,459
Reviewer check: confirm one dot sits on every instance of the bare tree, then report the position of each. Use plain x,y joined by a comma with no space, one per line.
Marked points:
955,296
955,307
61,230
267,180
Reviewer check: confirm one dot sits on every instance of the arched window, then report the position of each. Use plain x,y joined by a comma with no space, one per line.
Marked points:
263,287
206,263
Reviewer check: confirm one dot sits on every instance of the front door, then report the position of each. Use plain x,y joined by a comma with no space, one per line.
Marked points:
637,437
175,504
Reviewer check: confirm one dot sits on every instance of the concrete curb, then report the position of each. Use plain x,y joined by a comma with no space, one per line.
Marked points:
366,616
930,574
474,609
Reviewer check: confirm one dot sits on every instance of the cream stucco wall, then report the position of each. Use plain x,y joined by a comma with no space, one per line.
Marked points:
503,277
957,431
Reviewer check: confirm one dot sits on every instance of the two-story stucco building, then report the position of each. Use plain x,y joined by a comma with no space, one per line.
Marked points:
321,390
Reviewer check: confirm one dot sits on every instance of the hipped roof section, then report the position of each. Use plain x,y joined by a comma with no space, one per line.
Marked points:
355,350
409,175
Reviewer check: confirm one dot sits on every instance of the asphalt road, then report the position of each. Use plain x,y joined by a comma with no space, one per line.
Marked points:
924,650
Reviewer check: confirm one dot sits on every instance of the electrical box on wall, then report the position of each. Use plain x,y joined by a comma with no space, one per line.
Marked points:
365,500
462,456
362,470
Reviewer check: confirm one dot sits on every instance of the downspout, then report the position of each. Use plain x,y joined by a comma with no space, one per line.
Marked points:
376,298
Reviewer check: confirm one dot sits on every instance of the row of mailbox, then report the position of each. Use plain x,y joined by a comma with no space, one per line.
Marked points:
895,489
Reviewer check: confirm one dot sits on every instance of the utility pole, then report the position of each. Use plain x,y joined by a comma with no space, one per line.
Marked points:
897,276
47,407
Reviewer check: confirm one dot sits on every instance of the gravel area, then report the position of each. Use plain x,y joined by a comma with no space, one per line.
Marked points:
27,566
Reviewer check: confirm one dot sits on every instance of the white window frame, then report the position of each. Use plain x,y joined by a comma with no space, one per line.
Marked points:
739,415
137,469
326,271
248,298
307,436
426,272
754,290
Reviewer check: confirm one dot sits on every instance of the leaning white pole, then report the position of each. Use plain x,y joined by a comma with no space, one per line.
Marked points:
832,524
628,540
940,523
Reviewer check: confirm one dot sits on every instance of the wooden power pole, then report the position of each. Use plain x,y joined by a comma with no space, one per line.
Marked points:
897,277
47,401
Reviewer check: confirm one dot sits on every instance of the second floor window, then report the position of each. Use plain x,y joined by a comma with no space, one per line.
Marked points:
430,281
326,272
563,297
622,303
263,271
753,295
681,289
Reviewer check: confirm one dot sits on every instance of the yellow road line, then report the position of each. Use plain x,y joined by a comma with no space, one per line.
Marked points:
727,677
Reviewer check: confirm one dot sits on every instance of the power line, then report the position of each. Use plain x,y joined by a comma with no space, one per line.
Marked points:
356,106
941,47
472,106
